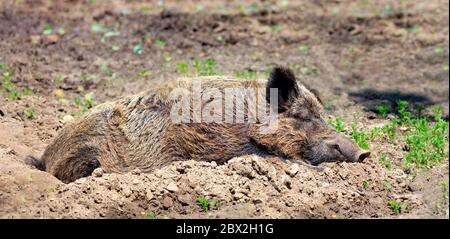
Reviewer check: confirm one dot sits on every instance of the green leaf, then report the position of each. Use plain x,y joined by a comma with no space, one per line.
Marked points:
48,29
61,31
137,49
95,27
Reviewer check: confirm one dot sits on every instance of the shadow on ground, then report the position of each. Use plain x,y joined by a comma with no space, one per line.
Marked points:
371,98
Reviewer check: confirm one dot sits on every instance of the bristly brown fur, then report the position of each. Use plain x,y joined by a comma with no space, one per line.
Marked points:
136,131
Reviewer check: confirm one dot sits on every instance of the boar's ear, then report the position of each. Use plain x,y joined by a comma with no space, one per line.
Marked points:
284,80
317,94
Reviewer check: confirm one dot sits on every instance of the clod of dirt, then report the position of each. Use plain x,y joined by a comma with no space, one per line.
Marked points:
98,172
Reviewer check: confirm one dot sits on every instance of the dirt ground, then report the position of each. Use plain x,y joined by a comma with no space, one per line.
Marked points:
358,54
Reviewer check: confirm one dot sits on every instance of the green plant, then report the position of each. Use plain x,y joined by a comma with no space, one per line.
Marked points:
308,71
144,73
246,74
412,29
338,124
427,142
27,92
137,49
215,203
374,132
103,68
182,68
111,74
395,206
385,162
197,67
383,110
115,48
12,93
84,103
48,29
419,109
205,68
150,215
108,35
7,85
390,129
203,203
303,49
444,186
250,8
439,50
96,27
387,185
7,73
404,114
57,80
29,113
160,42
359,137
365,184
327,105
61,31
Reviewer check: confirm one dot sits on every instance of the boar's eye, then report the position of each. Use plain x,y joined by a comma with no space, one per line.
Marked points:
336,147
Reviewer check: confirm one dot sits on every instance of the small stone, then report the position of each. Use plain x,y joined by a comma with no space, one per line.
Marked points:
257,200
286,181
343,174
126,192
149,195
238,196
59,93
289,203
136,171
172,187
98,172
272,173
66,119
167,202
53,38
185,199
98,200
35,39
205,164
136,181
293,170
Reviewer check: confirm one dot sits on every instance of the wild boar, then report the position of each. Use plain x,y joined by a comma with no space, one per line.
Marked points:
138,131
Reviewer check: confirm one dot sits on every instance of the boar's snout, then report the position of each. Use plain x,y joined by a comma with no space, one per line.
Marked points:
362,155
341,148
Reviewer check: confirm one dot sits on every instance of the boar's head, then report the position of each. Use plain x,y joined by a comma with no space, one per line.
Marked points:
302,131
